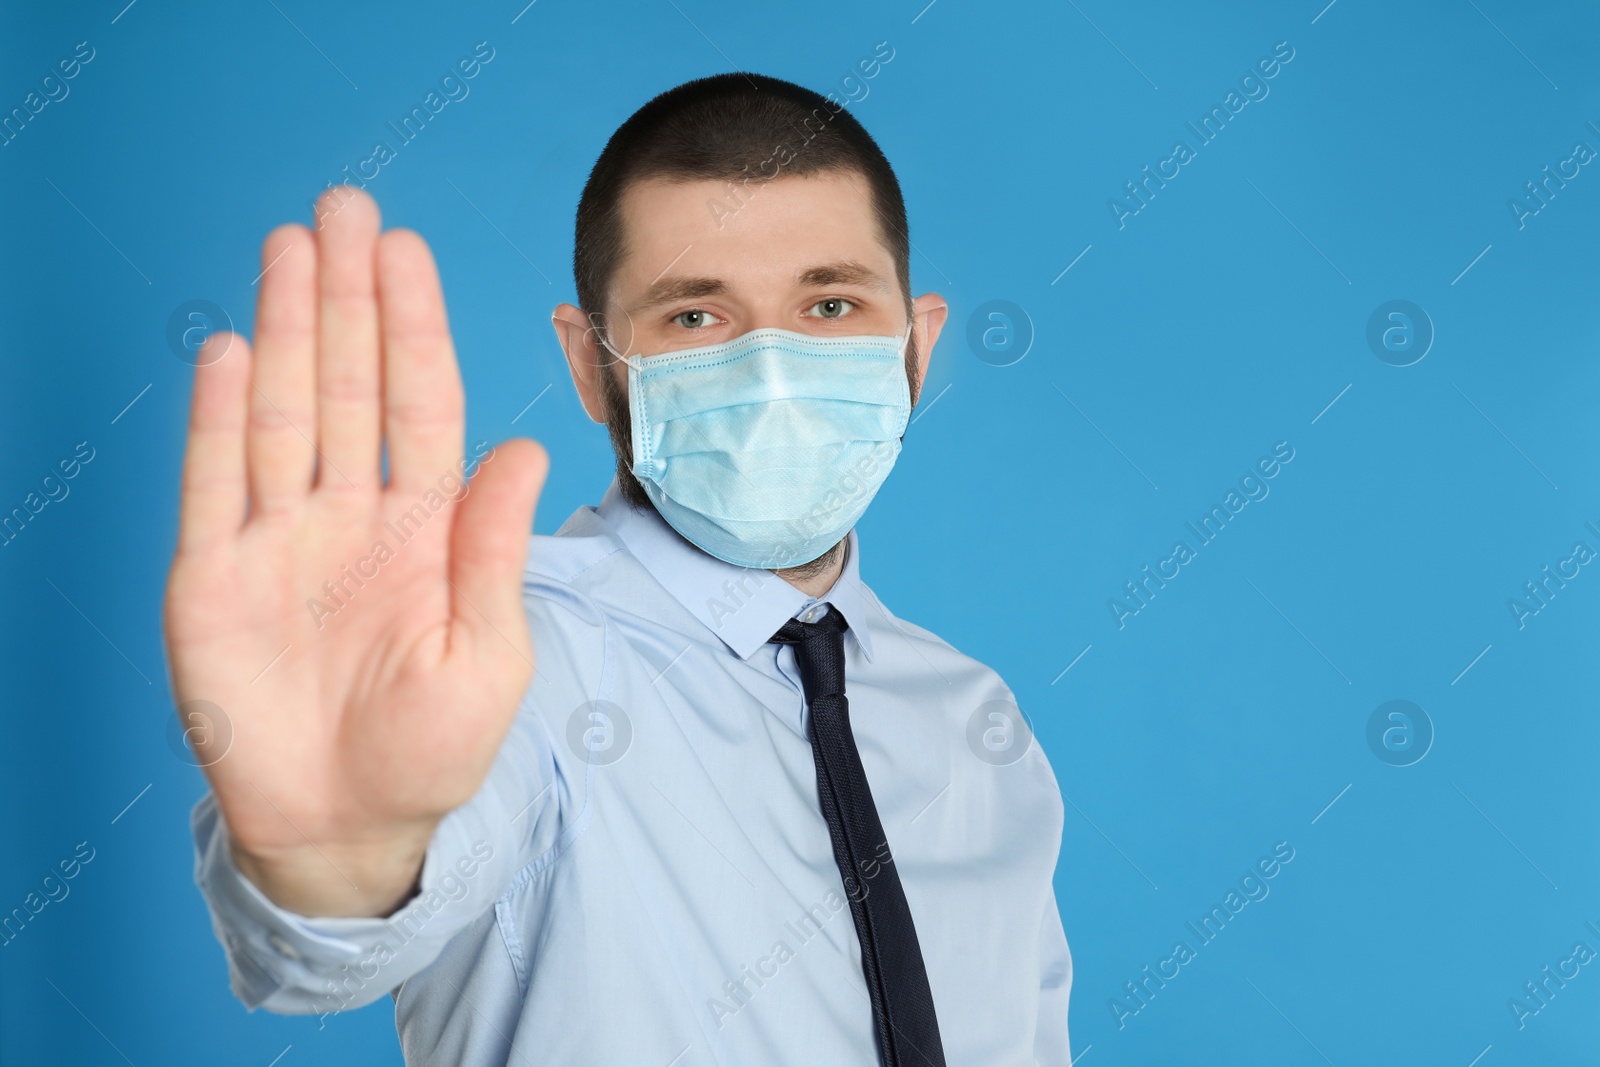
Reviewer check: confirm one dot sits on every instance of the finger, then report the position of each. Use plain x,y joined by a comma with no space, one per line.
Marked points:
347,342
283,395
422,401
212,501
489,546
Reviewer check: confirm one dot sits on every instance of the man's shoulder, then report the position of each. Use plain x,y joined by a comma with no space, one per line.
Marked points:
563,565
926,643
582,576
976,694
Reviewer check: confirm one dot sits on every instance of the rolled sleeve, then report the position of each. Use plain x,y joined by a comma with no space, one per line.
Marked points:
296,964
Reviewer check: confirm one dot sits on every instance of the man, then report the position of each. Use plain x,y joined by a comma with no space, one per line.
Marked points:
679,841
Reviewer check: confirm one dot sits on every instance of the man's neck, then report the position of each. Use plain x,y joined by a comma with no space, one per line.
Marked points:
818,576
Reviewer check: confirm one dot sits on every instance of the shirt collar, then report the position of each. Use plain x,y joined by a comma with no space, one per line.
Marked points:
744,606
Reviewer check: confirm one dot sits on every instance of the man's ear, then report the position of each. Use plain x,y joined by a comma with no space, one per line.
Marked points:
928,314
586,356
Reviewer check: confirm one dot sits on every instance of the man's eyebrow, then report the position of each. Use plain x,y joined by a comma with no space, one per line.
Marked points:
671,290
675,289
845,272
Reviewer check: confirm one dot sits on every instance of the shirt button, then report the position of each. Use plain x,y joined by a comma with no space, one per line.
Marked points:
283,947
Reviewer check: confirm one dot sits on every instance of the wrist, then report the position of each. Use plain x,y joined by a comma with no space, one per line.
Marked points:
365,879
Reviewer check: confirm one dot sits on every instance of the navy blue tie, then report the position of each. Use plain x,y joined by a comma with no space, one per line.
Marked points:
891,958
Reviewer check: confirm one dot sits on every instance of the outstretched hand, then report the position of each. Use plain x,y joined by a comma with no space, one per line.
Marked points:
365,641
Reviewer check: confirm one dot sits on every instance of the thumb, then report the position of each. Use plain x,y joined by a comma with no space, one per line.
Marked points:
489,543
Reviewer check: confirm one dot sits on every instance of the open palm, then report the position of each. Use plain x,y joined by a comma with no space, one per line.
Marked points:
365,642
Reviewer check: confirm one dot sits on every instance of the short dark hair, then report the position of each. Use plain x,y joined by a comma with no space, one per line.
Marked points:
738,128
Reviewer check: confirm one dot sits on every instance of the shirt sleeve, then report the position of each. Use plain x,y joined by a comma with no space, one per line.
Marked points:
1051,1046
296,964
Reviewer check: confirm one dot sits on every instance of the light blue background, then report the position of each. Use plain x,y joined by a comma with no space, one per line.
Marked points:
1223,318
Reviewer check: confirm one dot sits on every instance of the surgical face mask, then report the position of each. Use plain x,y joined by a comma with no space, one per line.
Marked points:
765,450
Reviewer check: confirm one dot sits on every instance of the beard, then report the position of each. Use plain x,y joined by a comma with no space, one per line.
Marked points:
619,425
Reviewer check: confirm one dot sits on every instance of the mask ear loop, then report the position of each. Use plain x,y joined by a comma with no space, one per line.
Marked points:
905,372
630,397
616,356
605,341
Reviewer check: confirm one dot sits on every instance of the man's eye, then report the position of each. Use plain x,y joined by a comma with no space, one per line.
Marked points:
832,308
693,320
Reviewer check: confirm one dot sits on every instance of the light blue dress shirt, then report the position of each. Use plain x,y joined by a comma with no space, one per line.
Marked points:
646,878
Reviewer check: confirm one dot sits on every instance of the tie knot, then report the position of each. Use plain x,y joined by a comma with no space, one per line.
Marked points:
795,632
818,652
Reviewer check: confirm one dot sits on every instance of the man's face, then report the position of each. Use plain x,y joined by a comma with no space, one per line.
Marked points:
700,268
